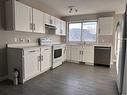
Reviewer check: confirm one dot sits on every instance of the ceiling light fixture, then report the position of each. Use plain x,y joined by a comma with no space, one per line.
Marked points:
72,9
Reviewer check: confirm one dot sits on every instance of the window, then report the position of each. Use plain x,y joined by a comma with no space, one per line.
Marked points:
89,31
85,32
75,32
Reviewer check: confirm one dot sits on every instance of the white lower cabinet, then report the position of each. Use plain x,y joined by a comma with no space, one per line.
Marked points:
88,54
45,58
81,53
29,62
75,51
68,52
64,53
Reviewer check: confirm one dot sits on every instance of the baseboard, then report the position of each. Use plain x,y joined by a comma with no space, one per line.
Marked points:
3,78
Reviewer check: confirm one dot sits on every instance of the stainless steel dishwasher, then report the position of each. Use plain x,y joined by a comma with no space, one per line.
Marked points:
102,56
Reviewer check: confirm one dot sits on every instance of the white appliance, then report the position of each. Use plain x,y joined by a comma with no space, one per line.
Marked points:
44,41
121,55
57,55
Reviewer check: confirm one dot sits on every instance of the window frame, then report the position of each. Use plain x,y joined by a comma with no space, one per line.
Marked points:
81,41
68,33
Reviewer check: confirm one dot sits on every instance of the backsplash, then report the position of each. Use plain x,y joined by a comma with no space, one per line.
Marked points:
107,39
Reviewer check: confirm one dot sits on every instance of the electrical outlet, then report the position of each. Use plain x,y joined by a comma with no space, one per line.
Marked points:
28,40
21,40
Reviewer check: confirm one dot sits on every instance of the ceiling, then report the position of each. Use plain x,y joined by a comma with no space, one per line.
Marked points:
85,6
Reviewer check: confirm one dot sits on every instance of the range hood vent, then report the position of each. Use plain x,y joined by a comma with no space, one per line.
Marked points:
50,27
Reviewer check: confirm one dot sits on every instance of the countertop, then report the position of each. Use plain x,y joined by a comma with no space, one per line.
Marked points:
91,44
31,45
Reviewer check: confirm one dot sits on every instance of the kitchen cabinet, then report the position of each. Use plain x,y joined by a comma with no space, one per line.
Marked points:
68,53
52,20
45,58
29,61
105,26
88,54
25,60
62,27
49,20
21,17
58,26
64,49
38,21
81,53
18,16
75,51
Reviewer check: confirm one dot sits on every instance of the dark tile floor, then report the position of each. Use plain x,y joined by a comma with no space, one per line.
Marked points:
68,79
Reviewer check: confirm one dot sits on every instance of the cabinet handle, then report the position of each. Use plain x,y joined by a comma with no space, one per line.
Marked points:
34,26
99,30
31,26
32,51
41,58
46,49
82,52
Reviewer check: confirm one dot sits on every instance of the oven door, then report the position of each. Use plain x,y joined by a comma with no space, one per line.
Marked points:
57,54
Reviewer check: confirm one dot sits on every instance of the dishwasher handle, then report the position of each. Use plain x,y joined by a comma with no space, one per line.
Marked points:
103,48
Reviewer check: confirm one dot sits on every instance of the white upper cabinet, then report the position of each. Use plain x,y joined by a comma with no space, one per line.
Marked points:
38,21
63,28
49,20
58,26
46,19
18,16
23,17
52,20
105,26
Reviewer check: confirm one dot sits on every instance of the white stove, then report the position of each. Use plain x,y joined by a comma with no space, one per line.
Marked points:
57,55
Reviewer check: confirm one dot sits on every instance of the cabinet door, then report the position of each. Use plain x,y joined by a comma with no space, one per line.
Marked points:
31,63
88,54
106,26
75,51
68,53
23,17
58,26
46,58
52,20
63,28
46,19
64,53
38,23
